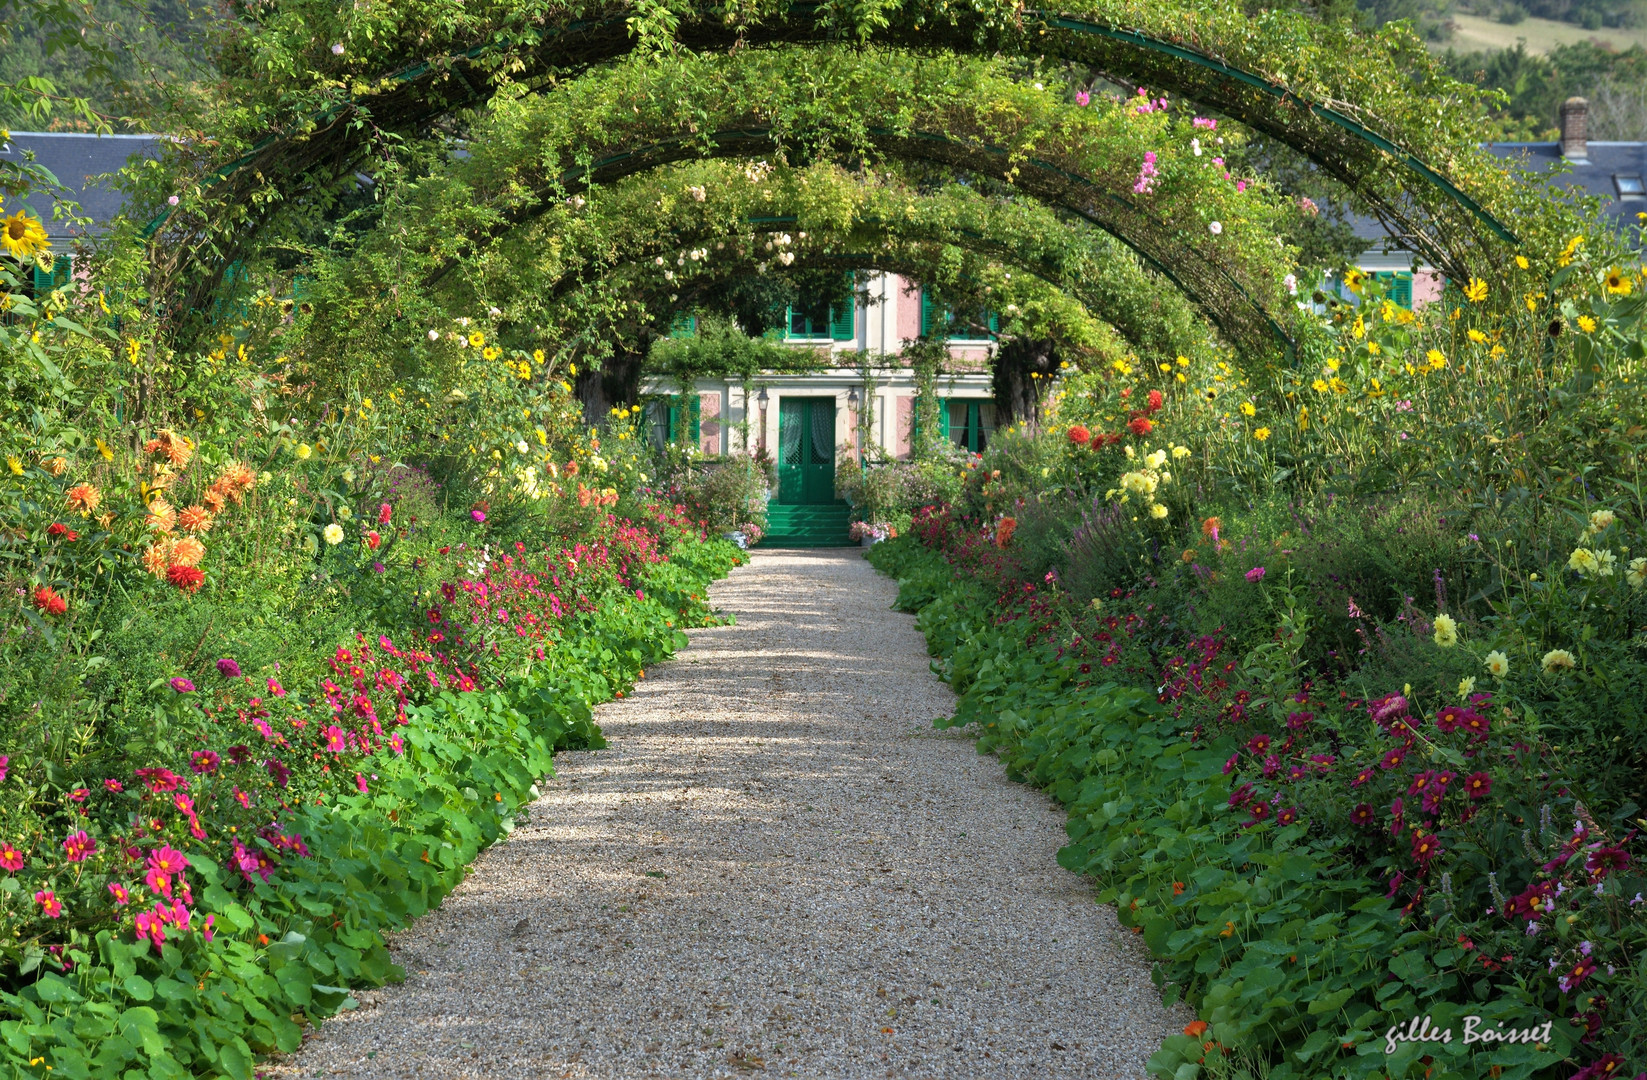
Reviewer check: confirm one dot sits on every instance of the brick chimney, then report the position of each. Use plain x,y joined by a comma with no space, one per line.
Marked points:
1575,118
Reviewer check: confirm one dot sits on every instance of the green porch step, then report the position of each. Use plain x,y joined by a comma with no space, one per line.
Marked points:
808,525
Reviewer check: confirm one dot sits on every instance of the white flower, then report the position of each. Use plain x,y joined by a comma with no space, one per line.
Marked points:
1601,519
434,335
786,257
521,447
1556,659
1466,686
1498,665
334,534
697,193
463,320
493,312
658,260
337,50
1195,145
1637,574
1216,228
1290,283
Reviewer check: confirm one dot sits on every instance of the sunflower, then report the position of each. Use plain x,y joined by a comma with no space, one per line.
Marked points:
1617,283
22,236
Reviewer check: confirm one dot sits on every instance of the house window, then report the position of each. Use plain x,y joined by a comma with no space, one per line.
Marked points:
1629,187
663,420
935,318
971,423
813,321
1398,287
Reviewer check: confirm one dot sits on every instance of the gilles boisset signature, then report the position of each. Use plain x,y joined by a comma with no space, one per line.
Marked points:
1419,1029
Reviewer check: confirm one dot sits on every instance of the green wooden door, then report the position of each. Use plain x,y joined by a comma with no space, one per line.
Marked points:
806,450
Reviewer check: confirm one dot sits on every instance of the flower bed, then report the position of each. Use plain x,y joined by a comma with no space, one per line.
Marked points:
1315,873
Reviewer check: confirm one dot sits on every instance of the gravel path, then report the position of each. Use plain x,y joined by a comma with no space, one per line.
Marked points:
778,866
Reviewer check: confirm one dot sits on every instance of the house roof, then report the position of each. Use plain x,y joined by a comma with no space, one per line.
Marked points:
1605,173
78,160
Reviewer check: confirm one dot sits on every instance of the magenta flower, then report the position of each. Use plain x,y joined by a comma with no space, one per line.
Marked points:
5,766
1607,860
79,795
228,668
360,782
115,786
1478,785
1362,777
1082,98
1259,811
208,931
204,761
1234,759
10,857
1259,744
478,515
1240,795
151,926
162,779
1255,574
1362,815
50,906
397,744
1287,816
335,740
275,688
278,772
118,891
182,685
79,846
168,860
1393,758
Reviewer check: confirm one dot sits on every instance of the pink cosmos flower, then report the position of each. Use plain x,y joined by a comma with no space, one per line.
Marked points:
360,782
397,744
336,742
10,857
79,846
152,926
168,860
50,906
158,882
5,766
118,891
79,794
115,786
207,931
275,688
204,761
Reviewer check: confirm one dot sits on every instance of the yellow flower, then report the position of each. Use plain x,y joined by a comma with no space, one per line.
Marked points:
1498,665
1637,574
537,355
1446,631
1437,361
1475,291
333,534
1556,659
1373,349
103,449
1261,434
1338,386
365,403
1157,511
1586,324
1521,261
1183,361
477,339
1466,687
1532,301
1477,336
1584,561
491,352
1498,350
15,465
1247,409
1617,283
1319,386
303,451
22,236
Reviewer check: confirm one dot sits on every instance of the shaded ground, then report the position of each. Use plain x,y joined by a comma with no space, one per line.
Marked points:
777,867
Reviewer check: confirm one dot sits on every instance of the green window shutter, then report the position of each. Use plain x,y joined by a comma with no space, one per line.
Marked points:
683,326
795,321
994,323
928,315
697,424
943,419
62,269
843,322
1402,293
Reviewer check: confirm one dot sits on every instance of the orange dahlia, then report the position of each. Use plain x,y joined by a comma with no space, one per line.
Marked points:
84,498
188,552
214,500
157,558
161,517
237,474
195,519
55,465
